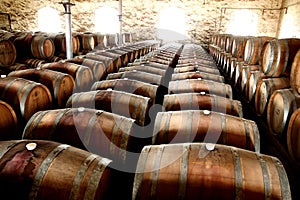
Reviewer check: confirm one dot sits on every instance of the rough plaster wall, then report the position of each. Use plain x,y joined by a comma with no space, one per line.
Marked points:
203,16
290,20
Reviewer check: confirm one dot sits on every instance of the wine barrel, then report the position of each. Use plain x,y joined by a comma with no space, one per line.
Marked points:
110,64
60,43
293,136
37,170
250,88
117,59
138,75
82,75
281,105
87,41
208,126
253,48
123,55
195,85
208,171
103,133
26,97
60,85
8,53
295,73
278,55
8,122
118,102
150,64
33,62
199,101
265,88
148,69
42,47
154,92
197,75
238,46
98,68
111,40
244,73
197,68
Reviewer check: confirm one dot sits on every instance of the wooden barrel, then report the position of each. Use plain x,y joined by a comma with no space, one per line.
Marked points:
265,88
103,133
98,68
42,47
33,62
154,92
253,48
244,73
60,85
228,44
207,171
205,126
118,102
111,40
117,59
238,46
82,75
60,44
148,69
150,64
123,55
295,73
8,122
237,72
87,41
37,170
138,75
26,97
281,105
197,68
110,64
293,136
250,88
8,53
278,55
22,44
14,67
197,75
198,101
195,85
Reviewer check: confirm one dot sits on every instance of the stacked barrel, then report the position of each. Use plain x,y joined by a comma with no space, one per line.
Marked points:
199,131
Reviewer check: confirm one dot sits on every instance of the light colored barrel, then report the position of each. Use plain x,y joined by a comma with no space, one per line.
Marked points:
197,75
293,143
295,73
208,171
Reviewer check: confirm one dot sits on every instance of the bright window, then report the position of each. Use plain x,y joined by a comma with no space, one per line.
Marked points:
107,20
48,20
171,25
243,22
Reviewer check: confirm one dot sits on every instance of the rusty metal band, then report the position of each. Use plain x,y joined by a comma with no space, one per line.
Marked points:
5,148
266,178
90,127
229,91
247,132
43,170
189,127
190,101
237,174
287,55
36,118
55,123
224,132
7,86
278,57
156,128
165,132
57,83
140,170
24,96
184,171
256,137
95,178
114,136
126,133
156,169
284,182
80,176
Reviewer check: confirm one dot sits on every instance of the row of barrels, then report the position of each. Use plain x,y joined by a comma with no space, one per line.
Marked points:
18,46
270,85
198,113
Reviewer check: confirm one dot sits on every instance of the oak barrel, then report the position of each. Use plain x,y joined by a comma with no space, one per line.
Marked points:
293,133
8,122
26,97
154,92
60,85
265,88
196,75
36,169
42,47
197,68
198,101
195,85
281,105
103,133
278,55
295,73
8,53
250,88
118,102
82,75
148,69
208,171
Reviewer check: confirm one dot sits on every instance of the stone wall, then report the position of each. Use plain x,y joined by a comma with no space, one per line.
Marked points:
289,25
203,17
